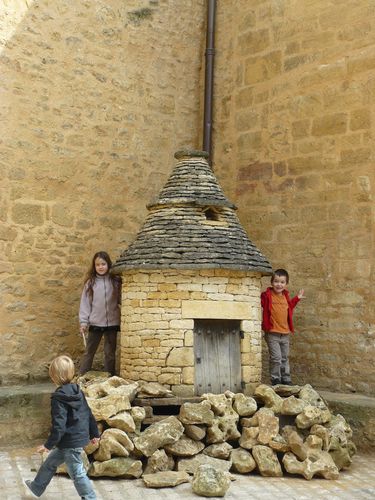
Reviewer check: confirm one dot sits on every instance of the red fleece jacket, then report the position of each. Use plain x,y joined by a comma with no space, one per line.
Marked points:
266,301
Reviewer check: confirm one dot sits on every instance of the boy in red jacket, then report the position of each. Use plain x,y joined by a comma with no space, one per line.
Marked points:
277,324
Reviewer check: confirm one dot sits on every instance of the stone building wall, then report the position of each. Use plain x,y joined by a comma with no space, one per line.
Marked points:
157,325
95,97
294,147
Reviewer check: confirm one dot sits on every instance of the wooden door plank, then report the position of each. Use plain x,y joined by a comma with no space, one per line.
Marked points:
217,346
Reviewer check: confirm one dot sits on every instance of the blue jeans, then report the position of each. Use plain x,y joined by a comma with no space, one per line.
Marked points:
73,460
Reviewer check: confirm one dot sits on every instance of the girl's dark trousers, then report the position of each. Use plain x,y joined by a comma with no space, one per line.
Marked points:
93,340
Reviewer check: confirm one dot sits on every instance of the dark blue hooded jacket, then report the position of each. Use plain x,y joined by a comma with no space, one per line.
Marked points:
73,424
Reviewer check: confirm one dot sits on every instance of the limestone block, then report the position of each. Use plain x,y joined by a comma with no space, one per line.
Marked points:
28,213
330,124
125,467
165,479
122,420
261,69
224,426
267,461
189,338
312,415
119,386
62,215
219,450
188,375
184,447
242,461
312,397
196,413
196,432
245,406
91,447
296,445
322,432
268,426
108,406
138,414
218,309
159,461
249,437
219,403
210,482
269,397
168,430
190,465
292,406
181,324
184,390
321,464
181,356
360,119
151,342
169,378
214,433
246,358
279,444
340,432
113,442
153,390
342,457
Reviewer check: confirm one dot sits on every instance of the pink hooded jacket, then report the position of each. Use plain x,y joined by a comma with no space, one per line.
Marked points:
103,309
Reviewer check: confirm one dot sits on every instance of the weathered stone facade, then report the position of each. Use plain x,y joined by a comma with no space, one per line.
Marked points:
157,330
89,92
94,99
294,147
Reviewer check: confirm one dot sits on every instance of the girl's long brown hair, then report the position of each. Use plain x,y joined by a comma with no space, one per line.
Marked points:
91,273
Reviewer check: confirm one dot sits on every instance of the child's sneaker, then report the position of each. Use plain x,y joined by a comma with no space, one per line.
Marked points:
287,382
30,492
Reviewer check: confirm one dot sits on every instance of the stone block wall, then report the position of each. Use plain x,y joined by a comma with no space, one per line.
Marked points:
157,325
95,97
294,147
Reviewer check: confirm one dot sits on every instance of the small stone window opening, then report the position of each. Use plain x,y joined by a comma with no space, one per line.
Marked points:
211,214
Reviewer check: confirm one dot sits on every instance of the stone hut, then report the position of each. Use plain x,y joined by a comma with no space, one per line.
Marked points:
191,287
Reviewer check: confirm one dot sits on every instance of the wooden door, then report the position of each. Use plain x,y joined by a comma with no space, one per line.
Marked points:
217,356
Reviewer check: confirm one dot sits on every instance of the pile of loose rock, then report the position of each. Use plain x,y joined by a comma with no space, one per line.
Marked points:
282,429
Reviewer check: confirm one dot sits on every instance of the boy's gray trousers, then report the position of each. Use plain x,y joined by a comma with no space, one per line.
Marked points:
278,347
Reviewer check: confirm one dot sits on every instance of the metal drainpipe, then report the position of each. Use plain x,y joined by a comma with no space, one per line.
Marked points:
209,78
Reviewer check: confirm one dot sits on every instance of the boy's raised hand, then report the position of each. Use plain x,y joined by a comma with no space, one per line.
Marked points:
94,440
301,294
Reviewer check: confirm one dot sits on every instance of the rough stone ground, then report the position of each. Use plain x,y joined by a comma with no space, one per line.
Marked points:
357,483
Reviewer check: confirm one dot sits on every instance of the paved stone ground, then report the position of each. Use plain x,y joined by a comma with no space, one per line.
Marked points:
357,483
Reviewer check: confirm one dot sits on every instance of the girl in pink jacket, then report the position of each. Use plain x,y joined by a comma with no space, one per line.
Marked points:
99,312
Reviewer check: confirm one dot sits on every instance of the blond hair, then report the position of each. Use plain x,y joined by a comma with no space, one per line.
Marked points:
61,370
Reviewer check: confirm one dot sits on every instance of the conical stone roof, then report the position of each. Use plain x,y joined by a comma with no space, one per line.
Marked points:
192,225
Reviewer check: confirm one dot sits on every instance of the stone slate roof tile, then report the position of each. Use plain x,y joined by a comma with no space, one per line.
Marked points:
178,232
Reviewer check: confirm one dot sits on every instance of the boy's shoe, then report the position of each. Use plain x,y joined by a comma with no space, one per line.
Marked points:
275,381
30,492
287,382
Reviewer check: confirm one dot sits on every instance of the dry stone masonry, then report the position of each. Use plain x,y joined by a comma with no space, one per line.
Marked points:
281,430
191,260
